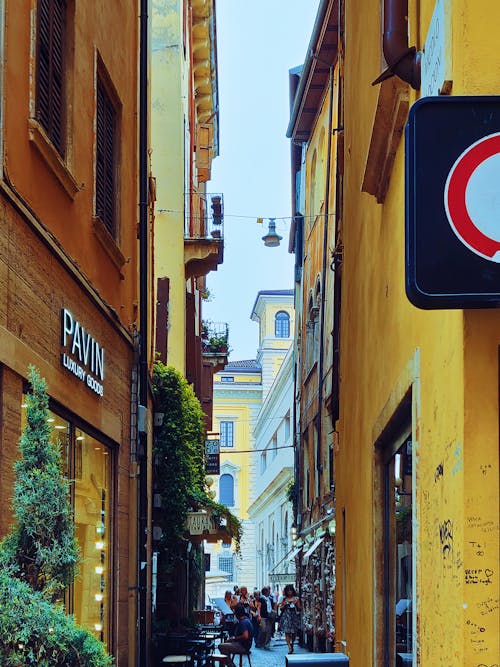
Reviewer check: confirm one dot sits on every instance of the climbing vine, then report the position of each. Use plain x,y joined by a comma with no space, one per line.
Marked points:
179,460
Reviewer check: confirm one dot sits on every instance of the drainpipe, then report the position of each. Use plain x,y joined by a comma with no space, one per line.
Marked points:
323,278
403,61
142,450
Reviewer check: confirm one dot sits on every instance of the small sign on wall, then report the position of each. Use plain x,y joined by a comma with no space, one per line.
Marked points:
212,457
436,57
81,353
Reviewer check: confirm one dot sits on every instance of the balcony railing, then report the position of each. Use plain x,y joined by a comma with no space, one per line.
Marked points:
204,215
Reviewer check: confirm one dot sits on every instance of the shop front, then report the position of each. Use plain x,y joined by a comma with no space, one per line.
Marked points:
52,318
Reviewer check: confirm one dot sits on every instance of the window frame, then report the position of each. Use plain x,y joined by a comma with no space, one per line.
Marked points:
53,91
105,158
226,433
70,462
222,499
282,321
397,432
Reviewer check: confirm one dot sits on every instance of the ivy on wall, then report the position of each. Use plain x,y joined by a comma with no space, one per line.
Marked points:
178,452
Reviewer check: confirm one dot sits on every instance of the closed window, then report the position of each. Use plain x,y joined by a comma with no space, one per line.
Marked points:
50,70
226,490
226,564
105,185
282,325
227,434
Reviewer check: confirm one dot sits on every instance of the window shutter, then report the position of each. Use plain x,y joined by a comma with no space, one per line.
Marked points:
105,159
50,70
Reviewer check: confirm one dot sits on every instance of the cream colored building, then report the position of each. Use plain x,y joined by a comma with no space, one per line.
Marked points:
240,392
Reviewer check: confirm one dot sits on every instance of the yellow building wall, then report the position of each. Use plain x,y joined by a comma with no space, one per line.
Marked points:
168,119
240,412
267,324
450,361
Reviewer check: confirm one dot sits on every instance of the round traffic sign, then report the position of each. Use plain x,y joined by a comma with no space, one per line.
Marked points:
472,197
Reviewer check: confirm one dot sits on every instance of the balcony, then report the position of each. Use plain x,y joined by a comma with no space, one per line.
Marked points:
214,344
203,234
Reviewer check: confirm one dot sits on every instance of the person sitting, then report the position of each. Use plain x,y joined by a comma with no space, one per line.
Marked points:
241,643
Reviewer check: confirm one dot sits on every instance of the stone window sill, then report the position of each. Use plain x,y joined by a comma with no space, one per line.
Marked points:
56,164
388,126
108,243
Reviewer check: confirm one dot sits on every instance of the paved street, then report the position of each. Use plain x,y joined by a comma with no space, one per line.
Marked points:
275,657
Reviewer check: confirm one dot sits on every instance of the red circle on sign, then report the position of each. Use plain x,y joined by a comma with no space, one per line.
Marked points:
455,197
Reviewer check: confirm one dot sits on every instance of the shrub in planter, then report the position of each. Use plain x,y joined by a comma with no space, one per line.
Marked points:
41,548
37,633
39,557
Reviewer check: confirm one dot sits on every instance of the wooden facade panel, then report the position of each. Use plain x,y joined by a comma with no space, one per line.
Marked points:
4,277
10,423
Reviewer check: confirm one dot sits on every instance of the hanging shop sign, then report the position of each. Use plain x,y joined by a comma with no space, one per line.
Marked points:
453,202
200,522
81,354
212,457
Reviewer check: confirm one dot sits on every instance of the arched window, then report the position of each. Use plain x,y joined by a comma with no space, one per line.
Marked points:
282,324
226,490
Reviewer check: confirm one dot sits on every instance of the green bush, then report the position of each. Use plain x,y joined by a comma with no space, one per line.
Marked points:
37,633
41,548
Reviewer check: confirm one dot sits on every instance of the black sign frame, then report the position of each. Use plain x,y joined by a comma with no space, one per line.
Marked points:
440,270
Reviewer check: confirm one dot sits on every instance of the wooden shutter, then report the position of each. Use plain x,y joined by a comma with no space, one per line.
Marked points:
50,70
163,287
105,159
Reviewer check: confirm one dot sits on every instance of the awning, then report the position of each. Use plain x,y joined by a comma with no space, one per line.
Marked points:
216,577
286,559
282,578
295,552
311,550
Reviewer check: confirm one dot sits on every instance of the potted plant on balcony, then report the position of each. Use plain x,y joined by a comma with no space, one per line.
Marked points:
218,343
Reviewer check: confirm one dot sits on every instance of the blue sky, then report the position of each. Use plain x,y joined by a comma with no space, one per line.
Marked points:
258,42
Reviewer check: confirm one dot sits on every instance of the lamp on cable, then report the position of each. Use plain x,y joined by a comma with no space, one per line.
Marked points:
272,238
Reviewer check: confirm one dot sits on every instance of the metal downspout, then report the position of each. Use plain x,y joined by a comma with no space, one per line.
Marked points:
403,61
323,276
142,450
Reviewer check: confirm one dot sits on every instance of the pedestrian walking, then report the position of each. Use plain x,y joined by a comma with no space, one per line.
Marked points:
289,620
268,617
255,616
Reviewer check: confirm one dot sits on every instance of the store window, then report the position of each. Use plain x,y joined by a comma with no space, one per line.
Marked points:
87,463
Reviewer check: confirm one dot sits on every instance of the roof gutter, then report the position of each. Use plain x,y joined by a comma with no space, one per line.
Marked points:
308,63
403,61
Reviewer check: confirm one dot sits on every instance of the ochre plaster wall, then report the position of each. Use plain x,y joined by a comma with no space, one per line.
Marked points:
454,381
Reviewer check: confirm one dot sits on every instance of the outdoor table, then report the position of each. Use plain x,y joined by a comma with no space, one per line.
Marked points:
177,659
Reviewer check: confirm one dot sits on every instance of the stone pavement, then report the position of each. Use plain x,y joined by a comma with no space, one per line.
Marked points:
275,656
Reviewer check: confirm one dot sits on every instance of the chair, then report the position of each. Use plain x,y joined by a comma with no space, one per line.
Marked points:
247,653
216,657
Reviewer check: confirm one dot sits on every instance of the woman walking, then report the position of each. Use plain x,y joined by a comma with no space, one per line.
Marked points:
289,620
